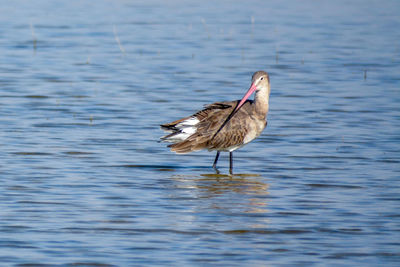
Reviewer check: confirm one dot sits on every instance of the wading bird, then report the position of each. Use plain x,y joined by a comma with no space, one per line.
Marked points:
223,126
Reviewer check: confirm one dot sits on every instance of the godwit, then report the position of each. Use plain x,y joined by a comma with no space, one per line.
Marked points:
223,126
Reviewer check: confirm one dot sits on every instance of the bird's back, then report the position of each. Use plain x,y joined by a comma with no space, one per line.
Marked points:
203,129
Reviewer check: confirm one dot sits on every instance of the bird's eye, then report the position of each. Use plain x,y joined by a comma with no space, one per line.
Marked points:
262,78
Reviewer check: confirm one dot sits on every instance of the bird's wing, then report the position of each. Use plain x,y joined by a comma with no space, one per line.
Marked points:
210,121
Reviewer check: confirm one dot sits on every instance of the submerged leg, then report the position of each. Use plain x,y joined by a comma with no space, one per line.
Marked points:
230,162
216,160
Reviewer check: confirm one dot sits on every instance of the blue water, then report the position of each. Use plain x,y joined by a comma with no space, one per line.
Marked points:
84,86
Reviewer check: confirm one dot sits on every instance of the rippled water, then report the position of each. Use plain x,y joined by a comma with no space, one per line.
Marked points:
84,86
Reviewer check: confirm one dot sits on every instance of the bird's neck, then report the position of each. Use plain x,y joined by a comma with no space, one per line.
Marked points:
261,100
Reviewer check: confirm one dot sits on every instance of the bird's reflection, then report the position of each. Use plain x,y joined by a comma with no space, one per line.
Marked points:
230,193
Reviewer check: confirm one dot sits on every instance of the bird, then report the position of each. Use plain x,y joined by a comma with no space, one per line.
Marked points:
223,126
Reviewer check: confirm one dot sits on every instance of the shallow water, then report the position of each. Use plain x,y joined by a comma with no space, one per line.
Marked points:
84,86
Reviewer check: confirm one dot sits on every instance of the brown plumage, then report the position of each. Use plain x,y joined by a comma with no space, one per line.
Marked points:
223,126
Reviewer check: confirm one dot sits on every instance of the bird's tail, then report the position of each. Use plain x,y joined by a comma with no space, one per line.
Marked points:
187,146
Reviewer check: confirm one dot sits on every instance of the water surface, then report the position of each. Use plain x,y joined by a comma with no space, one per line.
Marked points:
84,86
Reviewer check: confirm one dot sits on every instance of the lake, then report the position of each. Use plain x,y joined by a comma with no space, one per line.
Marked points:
84,86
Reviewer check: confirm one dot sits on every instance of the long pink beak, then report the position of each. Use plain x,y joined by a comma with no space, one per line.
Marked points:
247,95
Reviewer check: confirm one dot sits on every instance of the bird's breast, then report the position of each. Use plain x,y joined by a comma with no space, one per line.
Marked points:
256,128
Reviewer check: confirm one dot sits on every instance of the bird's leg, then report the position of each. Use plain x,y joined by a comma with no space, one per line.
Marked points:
215,161
230,162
